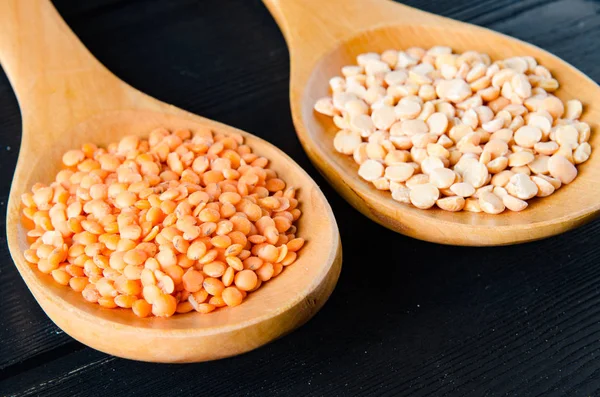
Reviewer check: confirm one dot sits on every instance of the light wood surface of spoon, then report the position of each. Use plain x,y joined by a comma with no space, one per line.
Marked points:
324,35
67,98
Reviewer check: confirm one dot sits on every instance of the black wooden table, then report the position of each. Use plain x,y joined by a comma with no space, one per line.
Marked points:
407,318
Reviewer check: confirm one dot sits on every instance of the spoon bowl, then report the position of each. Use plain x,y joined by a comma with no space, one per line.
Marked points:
322,41
68,98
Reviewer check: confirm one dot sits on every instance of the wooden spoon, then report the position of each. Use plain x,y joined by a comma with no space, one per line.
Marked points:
67,98
325,35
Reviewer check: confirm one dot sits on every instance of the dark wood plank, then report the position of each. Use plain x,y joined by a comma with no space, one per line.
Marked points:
408,317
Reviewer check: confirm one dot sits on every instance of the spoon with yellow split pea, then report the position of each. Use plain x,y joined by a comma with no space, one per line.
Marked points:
324,35
68,98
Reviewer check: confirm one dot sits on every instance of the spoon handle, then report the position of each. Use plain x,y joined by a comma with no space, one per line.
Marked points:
313,28
310,25
40,54
58,82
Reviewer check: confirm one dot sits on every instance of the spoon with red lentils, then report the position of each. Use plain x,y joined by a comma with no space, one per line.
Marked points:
145,231
438,129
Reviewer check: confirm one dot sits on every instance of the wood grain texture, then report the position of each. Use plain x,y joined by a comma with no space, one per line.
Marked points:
324,37
451,321
64,92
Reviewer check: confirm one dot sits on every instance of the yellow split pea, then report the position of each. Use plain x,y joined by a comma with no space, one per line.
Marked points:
181,221
456,130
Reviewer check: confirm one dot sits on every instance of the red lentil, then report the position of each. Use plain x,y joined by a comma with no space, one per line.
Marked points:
179,222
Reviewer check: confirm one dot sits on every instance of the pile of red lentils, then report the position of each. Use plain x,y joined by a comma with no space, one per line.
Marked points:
181,221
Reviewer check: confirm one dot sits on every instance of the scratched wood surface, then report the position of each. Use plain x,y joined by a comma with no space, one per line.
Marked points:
407,318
